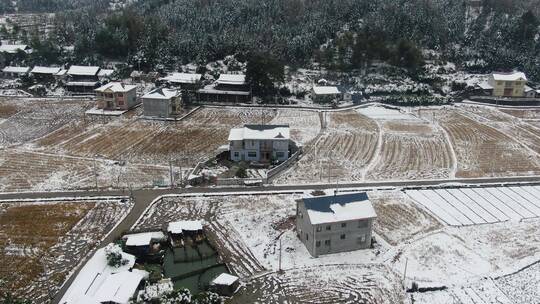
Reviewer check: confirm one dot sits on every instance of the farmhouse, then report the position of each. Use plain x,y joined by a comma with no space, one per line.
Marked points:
15,72
42,73
116,96
228,88
335,223
82,78
162,103
261,143
324,94
186,81
508,84
98,282
15,48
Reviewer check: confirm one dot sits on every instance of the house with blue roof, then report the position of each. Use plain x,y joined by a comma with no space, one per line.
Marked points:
335,223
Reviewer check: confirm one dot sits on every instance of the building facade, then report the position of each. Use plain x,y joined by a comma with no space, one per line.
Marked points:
335,223
260,143
508,84
228,88
162,103
325,94
116,96
82,79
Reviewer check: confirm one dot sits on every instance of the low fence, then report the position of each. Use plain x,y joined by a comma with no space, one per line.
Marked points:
240,181
272,173
506,101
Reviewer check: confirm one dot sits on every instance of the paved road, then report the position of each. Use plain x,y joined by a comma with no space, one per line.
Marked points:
143,198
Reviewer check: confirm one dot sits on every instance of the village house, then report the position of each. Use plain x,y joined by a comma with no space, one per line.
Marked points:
507,84
82,78
184,81
162,103
11,72
99,282
44,74
325,94
116,96
259,143
335,223
105,74
15,48
228,88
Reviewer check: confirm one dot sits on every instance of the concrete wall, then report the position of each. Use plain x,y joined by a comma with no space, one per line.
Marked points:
157,107
327,238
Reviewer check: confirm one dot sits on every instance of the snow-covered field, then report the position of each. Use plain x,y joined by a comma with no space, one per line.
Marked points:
43,241
473,206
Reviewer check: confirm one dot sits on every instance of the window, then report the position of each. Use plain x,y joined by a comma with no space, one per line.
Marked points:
120,102
362,224
307,236
328,227
120,95
343,225
342,236
319,228
280,154
236,154
252,154
327,243
318,243
362,239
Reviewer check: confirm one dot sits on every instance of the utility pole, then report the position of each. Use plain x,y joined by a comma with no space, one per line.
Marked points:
171,173
95,173
405,271
279,268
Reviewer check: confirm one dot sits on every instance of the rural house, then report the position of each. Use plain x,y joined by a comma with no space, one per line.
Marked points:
162,103
260,143
47,74
14,72
325,94
335,223
15,48
185,81
82,78
507,84
116,96
228,88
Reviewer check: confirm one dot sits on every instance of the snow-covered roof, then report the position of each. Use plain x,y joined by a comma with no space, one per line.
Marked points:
83,70
81,83
120,287
161,93
260,132
116,87
233,79
339,208
509,76
183,78
105,72
326,90
62,72
528,89
156,290
178,227
93,280
144,238
485,86
13,48
19,70
45,70
224,279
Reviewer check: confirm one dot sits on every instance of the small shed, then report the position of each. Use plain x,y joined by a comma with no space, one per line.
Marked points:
323,94
225,284
144,243
181,229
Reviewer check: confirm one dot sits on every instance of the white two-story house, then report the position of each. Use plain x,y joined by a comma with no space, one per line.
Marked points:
261,143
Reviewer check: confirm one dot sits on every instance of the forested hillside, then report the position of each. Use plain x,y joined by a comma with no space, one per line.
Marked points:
501,34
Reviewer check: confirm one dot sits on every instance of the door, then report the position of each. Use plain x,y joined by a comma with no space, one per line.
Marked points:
508,92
